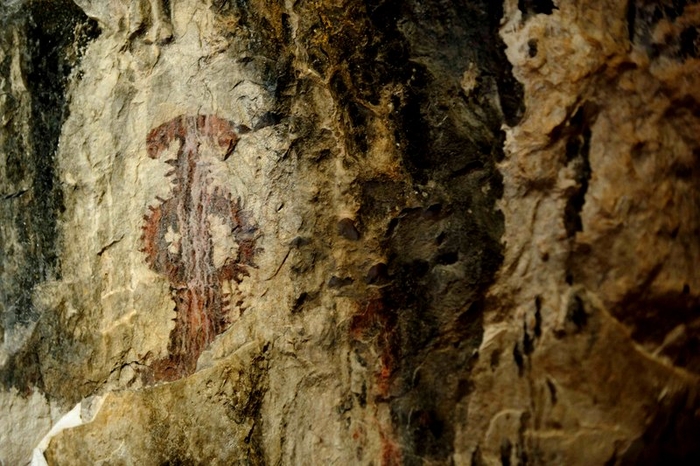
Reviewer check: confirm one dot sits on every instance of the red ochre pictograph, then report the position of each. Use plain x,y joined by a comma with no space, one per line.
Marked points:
178,236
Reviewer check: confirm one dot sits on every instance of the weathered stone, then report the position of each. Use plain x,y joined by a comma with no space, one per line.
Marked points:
465,233
211,417
600,275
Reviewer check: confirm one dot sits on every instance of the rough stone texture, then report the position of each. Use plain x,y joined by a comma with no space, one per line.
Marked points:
346,232
211,417
37,50
589,353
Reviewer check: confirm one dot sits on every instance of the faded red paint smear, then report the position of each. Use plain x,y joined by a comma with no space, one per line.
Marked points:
374,322
178,240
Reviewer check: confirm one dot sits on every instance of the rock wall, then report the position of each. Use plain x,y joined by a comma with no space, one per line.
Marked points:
398,232
586,356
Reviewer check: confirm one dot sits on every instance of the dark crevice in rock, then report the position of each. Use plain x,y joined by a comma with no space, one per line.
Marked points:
532,48
510,91
536,7
538,316
675,8
51,30
338,282
167,12
689,43
520,446
477,457
453,141
643,17
666,324
578,136
552,392
495,359
447,258
301,301
506,452
519,359
631,19
377,274
670,436
576,313
348,230
56,33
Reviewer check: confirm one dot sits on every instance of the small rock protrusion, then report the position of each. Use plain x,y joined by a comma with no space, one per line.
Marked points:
338,282
348,230
377,274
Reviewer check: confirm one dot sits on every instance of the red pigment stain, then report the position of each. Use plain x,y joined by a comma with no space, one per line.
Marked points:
374,322
391,452
178,240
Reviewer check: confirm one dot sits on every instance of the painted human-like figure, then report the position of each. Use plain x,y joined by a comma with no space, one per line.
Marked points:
179,237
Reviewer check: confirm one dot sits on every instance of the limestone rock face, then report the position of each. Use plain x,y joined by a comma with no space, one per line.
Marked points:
315,232
208,418
595,309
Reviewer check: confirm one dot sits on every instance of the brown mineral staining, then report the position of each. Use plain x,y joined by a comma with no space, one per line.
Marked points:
376,322
391,452
178,240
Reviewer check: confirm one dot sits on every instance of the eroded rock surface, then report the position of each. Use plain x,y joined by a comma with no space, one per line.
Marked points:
401,232
211,417
586,356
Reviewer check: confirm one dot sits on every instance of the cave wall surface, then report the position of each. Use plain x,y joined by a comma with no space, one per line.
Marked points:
349,232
